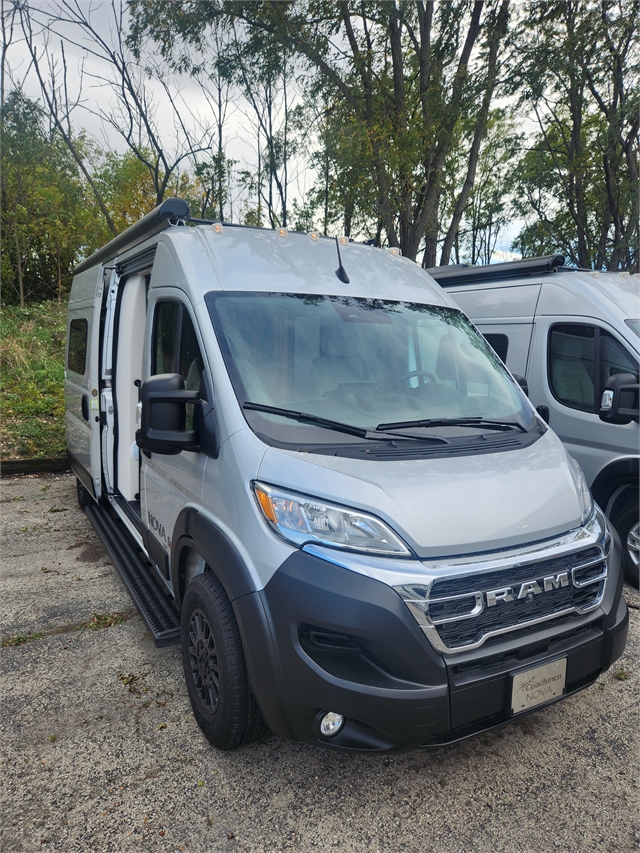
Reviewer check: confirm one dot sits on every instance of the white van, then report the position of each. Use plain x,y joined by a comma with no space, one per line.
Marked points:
312,471
575,337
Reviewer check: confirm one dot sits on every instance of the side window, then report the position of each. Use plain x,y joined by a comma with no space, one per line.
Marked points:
581,360
500,344
614,359
175,348
190,363
165,337
77,356
571,365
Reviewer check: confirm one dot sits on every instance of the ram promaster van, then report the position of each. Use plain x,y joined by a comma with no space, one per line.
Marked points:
314,473
575,337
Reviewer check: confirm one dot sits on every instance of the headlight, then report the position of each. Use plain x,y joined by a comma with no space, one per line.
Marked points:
582,488
300,519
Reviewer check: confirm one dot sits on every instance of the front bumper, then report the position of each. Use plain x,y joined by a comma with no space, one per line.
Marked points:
322,638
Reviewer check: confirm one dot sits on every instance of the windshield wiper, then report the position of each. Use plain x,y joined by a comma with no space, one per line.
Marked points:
360,432
304,418
467,422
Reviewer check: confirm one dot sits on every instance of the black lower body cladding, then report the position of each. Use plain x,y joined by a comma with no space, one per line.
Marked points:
321,638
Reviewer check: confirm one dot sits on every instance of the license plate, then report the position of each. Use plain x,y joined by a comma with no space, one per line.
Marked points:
537,686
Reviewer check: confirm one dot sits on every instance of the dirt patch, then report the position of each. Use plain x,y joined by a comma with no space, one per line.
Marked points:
102,753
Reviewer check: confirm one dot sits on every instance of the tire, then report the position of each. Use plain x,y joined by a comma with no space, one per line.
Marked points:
84,498
627,524
214,666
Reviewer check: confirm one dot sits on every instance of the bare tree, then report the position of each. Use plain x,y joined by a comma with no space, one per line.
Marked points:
56,96
268,85
135,113
8,22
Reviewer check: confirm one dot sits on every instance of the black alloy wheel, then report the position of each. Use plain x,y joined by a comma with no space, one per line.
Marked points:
214,666
204,661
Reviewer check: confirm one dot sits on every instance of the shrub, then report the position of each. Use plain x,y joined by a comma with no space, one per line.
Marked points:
31,380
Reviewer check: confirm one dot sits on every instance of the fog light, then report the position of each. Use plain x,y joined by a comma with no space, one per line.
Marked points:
331,724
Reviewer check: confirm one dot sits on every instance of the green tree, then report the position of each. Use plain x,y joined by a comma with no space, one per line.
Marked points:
578,69
46,216
127,187
487,210
406,73
345,192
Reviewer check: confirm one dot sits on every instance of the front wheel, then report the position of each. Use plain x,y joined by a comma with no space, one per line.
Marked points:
628,526
214,666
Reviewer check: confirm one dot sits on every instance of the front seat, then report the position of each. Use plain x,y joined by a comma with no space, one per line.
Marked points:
338,361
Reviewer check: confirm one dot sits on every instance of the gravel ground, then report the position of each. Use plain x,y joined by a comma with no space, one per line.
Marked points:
101,751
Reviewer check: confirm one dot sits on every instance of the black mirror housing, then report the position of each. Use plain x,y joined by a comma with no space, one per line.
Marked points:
619,404
522,382
164,412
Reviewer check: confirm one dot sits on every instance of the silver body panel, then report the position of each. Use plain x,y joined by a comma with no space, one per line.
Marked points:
441,507
83,437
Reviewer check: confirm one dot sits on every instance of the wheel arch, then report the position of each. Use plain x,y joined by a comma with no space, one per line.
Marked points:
196,531
613,480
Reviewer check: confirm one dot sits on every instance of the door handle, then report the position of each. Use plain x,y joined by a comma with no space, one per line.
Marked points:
85,406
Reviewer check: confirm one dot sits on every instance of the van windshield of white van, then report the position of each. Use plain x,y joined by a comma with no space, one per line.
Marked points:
361,362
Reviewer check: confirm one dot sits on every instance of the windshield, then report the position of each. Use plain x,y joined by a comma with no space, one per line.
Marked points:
361,362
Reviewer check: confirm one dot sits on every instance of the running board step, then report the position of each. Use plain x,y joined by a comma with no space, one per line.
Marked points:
152,602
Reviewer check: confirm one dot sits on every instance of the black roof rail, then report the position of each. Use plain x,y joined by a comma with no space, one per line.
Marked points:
470,274
172,211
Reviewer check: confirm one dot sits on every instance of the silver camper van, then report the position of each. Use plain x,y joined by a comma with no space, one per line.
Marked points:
312,472
575,337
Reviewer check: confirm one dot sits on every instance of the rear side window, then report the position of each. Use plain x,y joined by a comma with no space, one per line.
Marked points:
77,355
500,345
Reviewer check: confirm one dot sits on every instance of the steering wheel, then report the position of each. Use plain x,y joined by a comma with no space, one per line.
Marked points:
422,374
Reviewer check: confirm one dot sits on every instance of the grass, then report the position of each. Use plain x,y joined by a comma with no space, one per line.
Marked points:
99,621
21,639
31,380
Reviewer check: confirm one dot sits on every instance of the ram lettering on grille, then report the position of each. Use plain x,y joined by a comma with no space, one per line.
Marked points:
527,590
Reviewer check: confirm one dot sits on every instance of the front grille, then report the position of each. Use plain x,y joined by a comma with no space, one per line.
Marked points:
499,661
465,616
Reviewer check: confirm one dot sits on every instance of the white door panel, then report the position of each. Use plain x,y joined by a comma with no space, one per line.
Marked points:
591,441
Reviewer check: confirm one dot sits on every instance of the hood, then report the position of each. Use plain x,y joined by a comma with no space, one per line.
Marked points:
446,507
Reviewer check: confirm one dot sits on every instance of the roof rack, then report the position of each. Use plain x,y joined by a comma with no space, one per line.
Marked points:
172,211
467,273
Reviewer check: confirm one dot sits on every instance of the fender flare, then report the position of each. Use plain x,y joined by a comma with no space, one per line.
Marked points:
196,530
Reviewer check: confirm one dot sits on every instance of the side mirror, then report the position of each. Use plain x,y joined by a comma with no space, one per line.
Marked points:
543,411
164,413
522,382
619,404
